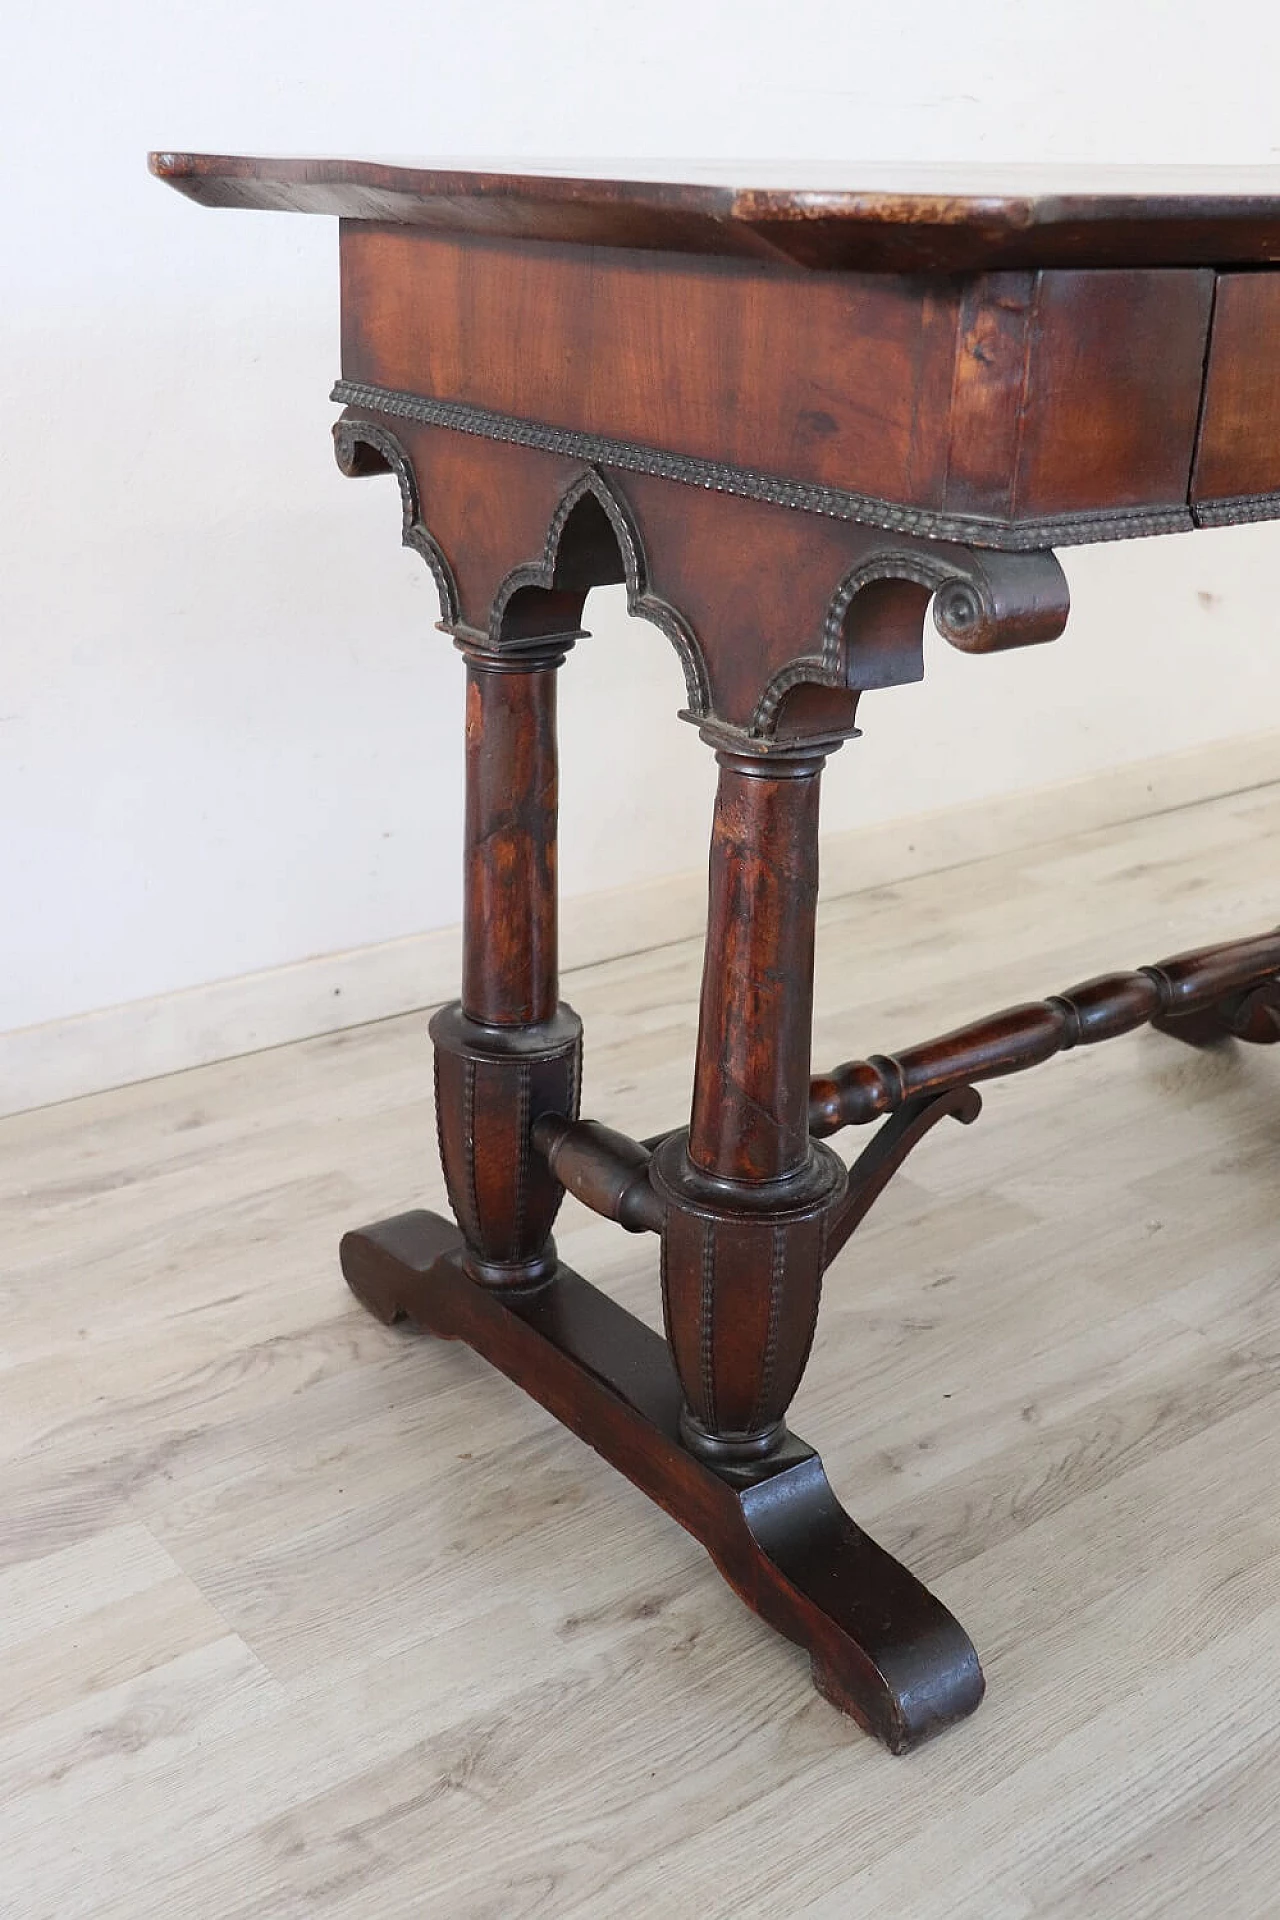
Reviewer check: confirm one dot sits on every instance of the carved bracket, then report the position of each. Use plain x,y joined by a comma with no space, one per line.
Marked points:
876,1165
873,636
868,632
361,448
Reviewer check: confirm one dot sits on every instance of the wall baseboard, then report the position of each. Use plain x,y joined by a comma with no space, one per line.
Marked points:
143,1039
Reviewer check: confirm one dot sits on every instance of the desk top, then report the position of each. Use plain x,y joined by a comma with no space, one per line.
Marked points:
850,217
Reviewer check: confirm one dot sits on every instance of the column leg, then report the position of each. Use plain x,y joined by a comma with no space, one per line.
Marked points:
507,1051
747,1197
749,1202
748,1194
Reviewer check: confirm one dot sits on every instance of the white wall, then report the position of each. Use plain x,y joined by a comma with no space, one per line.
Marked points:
229,736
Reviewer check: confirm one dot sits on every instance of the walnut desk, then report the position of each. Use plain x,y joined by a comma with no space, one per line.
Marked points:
789,419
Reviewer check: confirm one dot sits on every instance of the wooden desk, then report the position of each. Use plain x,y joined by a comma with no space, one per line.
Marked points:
789,419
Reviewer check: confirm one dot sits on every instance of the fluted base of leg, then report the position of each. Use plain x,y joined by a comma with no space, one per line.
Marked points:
881,1647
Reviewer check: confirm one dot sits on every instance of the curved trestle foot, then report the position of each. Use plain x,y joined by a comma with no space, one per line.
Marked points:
881,1647
389,1267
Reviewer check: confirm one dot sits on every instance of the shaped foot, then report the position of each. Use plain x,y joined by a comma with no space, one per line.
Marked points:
388,1267
881,1647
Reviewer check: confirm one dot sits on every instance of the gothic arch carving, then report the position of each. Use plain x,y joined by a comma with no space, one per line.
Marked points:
591,542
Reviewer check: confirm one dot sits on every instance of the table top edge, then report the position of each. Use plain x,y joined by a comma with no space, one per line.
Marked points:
872,226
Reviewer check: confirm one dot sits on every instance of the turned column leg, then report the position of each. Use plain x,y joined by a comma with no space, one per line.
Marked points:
746,1201
508,1050
748,1194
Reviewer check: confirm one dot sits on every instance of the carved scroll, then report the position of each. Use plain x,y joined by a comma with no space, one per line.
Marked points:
983,602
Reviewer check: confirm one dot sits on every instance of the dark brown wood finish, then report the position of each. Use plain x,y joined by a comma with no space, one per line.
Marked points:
1237,473
607,1170
771,656
614,1175
885,219
880,1646
510,975
1028,402
747,1197
508,1052
790,420
1212,990
750,1117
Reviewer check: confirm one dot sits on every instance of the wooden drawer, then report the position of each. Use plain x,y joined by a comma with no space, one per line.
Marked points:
1237,469
1015,409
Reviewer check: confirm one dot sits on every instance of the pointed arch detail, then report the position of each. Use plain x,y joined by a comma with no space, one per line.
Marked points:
579,555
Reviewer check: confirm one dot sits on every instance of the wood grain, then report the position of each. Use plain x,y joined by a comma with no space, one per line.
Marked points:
1239,450
898,219
1011,397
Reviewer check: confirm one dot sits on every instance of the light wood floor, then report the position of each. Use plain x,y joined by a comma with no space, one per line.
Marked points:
303,1616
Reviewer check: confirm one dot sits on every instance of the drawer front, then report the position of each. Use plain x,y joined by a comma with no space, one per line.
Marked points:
1017,409
1237,468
